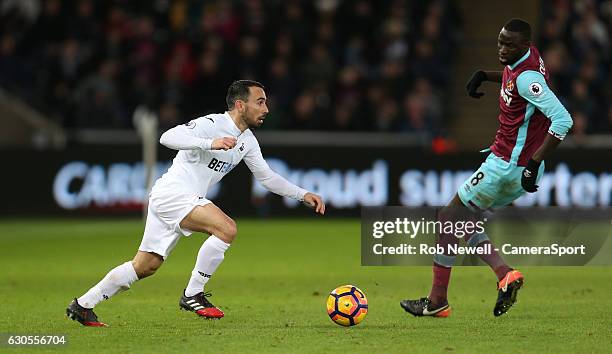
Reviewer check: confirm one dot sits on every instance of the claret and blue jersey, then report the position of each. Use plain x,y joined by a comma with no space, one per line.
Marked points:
528,110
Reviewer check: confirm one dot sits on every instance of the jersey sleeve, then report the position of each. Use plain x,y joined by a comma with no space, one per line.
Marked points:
189,136
271,180
532,87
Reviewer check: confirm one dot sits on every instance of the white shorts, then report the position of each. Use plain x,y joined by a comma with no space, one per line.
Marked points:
165,213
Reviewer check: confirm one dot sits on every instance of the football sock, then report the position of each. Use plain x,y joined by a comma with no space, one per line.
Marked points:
118,279
442,264
211,254
442,269
494,260
441,278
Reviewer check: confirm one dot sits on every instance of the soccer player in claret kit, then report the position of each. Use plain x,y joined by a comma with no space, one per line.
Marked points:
209,148
532,123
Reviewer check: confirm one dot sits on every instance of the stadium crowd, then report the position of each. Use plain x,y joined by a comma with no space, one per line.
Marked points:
327,64
576,47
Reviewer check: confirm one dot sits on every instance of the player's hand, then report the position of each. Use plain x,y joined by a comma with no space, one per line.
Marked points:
477,78
315,201
224,143
529,176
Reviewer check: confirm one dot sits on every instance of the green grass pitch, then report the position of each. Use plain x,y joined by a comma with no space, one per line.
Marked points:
273,286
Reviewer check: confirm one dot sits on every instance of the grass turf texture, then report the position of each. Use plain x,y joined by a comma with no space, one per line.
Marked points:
273,286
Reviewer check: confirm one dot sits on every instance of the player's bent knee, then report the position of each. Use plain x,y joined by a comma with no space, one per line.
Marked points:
146,264
145,270
227,233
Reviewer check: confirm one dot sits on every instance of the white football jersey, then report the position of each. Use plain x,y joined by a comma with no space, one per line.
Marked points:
195,169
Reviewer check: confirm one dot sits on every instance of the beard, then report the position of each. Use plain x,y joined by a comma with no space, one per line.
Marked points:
254,122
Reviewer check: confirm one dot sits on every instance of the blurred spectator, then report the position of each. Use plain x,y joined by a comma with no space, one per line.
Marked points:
280,88
9,62
305,115
387,115
346,116
575,42
97,100
319,67
326,64
579,129
168,115
422,109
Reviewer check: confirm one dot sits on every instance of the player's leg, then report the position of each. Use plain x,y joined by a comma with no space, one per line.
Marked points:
121,278
443,263
492,258
477,193
118,279
146,263
481,192
158,240
436,304
222,229
156,244
510,282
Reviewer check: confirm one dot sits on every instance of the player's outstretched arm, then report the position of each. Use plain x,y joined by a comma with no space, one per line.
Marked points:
190,137
275,183
315,202
478,78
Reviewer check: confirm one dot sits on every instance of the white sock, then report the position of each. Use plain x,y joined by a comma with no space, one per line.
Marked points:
118,279
209,258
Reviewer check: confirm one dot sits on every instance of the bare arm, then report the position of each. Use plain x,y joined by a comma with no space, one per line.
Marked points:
550,143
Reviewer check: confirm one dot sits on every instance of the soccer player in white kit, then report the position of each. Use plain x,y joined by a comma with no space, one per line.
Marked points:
209,148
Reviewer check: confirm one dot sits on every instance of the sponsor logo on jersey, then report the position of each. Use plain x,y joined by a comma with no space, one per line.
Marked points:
542,67
241,148
220,166
506,96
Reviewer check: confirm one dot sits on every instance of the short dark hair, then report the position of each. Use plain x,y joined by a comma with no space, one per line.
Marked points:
239,90
520,26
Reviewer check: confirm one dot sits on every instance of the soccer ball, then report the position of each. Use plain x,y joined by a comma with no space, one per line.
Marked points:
347,305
